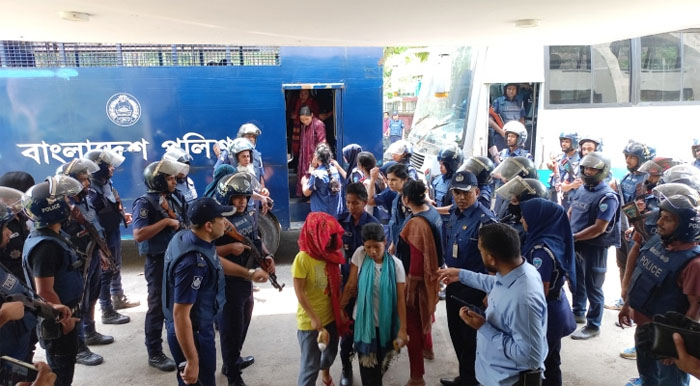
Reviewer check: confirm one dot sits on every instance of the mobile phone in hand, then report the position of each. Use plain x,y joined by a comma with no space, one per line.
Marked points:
13,371
472,307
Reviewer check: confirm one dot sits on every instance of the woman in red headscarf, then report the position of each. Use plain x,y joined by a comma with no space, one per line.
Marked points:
316,273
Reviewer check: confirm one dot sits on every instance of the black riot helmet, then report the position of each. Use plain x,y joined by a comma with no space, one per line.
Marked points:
481,167
451,157
595,160
515,166
45,203
236,184
642,152
522,188
684,202
156,173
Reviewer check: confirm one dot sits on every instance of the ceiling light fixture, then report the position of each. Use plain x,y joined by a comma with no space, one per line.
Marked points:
527,23
74,16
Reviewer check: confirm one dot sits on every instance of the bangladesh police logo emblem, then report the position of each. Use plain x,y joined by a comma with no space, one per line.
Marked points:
196,282
459,178
123,109
537,262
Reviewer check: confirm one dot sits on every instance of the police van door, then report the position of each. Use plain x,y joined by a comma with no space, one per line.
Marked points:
522,68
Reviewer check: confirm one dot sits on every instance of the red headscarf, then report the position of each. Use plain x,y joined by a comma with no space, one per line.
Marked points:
317,233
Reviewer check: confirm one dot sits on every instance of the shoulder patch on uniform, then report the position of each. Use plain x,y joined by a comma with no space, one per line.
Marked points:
143,213
196,282
9,283
537,262
603,207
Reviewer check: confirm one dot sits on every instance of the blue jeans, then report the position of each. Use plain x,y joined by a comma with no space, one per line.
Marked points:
654,373
206,350
591,265
394,138
312,359
111,283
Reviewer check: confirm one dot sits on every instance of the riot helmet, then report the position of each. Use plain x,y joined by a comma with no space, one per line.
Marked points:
104,158
401,147
657,166
590,138
6,216
518,129
684,203
480,166
240,145
178,154
249,129
595,160
515,166
81,169
45,203
637,149
451,157
522,188
694,148
12,198
571,136
684,174
156,173
236,184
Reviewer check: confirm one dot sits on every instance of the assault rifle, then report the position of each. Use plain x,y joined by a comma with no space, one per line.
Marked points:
255,254
90,229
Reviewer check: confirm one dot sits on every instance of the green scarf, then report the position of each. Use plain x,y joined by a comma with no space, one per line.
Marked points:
365,332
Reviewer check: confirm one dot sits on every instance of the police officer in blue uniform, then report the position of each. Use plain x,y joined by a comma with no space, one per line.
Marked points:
401,152
564,169
629,188
50,261
158,215
185,185
103,196
550,248
695,148
461,251
12,187
352,222
80,169
506,171
193,291
662,280
515,192
481,167
450,158
509,107
396,126
237,189
595,223
397,175
251,132
516,135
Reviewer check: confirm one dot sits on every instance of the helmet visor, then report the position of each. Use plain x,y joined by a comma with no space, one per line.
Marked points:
681,172
78,166
509,169
6,214
665,191
514,187
473,165
171,167
657,167
63,185
111,157
177,154
12,198
239,182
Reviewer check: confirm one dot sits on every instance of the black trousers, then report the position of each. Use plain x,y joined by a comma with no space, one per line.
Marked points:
60,355
372,376
233,324
347,340
552,364
153,270
463,337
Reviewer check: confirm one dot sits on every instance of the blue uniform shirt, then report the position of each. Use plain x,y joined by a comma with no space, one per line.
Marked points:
697,163
352,238
191,274
518,152
462,234
385,199
399,213
396,127
514,337
322,199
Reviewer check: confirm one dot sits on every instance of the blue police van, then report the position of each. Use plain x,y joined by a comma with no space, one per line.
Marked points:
60,100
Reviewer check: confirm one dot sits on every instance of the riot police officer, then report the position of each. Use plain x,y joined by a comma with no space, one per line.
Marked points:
507,170
595,223
194,291
589,144
159,214
481,167
664,279
78,228
50,261
401,152
103,196
450,159
514,192
466,217
695,148
185,185
516,135
564,169
12,187
237,189
251,132
629,188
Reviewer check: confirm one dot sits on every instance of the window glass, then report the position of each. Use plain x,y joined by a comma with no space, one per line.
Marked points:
569,74
691,66
660,78
611,72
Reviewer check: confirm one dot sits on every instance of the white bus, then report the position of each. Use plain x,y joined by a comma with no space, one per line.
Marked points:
647,89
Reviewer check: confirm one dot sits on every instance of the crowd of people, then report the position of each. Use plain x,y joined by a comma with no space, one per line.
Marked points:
379,250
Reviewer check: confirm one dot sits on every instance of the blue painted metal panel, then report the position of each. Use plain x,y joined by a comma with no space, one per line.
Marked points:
52,115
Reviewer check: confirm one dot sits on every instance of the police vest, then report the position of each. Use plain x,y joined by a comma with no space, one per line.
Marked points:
211,296
246,225
632,185
109,215
68,282
654,288
81,240
509,110
442,190
185,189
395,127
159,243
584,212
10,333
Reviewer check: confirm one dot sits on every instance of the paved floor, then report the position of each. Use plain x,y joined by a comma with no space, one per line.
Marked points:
272,340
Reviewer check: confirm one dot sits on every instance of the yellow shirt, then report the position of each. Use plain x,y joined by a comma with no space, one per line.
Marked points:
314,273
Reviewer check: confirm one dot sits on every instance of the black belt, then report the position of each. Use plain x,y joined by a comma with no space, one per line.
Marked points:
530,378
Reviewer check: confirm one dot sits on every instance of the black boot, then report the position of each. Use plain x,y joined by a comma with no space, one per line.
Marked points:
346,376
161,362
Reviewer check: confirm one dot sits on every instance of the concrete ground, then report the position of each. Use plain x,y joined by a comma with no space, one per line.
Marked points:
272,340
